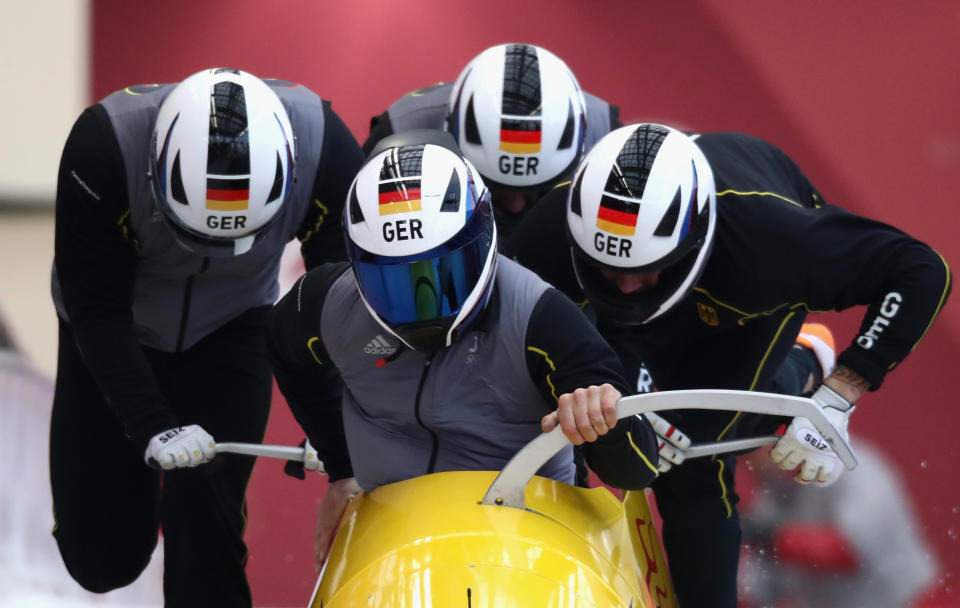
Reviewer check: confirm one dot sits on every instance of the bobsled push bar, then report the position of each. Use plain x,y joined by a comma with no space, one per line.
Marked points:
508,488
296,454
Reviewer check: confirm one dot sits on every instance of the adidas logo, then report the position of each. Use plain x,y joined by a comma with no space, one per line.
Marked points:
379,346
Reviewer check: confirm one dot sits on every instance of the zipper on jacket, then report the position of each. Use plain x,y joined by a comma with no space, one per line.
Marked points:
185,311
416,411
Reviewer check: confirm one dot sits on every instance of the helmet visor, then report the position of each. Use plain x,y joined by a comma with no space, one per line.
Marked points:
428,286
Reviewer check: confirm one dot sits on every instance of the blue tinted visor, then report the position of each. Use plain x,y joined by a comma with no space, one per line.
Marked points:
428,286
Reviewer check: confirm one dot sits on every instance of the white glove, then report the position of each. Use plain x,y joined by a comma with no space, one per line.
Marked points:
803,446
311,462
183,446
670,442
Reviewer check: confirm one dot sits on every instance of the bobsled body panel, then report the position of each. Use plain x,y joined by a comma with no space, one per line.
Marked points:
429,542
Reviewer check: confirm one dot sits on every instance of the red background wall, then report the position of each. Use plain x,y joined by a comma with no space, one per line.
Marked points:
862,94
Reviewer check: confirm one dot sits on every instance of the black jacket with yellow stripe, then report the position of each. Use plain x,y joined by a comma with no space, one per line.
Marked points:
779,252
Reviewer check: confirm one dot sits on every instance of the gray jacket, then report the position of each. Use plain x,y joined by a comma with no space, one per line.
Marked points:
469,398
180,297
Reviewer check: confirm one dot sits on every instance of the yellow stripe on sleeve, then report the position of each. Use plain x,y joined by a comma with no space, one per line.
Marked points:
655,470
943,298
553,368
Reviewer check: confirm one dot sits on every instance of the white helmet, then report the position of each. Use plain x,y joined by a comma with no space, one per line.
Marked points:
517,113
222,160
643,200
421,238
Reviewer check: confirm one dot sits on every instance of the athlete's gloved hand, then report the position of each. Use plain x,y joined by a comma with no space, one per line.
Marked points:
670,442
803,446
183,446
311,462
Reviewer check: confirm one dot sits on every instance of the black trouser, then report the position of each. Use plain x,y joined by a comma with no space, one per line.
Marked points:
697,500
108,505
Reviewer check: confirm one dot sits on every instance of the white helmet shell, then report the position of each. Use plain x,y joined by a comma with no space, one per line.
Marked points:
642,201
421,240
222,160
517,112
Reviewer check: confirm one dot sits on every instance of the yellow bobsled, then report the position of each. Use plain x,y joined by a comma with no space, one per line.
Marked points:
429,541
513,539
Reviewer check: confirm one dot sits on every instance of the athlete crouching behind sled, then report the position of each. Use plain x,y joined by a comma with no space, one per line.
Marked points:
700,257
451,357
174,205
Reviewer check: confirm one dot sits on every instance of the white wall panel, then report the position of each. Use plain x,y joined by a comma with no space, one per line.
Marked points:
44,84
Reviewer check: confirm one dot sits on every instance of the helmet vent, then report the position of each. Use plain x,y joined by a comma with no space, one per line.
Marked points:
406,161
629,174
177,191
356,215
451,200
453,120
521,81
229,145
277,188
669,221
691,218
290,159
566,140
472,134
575,195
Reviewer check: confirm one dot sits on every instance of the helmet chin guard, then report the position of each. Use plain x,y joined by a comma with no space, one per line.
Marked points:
222,161
518,114
643,201
421,240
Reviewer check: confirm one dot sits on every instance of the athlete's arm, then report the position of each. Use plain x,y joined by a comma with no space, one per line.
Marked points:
340,158
824,257
565,353
903,282
305,374
95,261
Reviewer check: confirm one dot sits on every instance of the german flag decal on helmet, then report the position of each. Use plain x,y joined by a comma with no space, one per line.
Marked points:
228,194
399,187
520,136
618,216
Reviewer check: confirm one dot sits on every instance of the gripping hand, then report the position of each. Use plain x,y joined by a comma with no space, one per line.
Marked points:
183,446
802,446
670,442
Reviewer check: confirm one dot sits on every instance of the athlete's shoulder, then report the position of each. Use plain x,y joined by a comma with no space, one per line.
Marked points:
311,290
295,94
437,94
746,165
433,89
716,146
147,91
601,117
595,101
136,102
279,83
